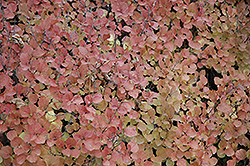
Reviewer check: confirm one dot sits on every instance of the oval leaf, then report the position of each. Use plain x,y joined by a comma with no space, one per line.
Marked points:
130,131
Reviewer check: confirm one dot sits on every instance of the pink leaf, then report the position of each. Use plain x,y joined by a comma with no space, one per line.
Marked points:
75,153
11,134
66,152
178,42
40,139
6,152
8,14
191,132
148,163
126,29
194,44
83,51
97,98
20,159
91,109
225,107
133,114
24,58
106,68
12,7
38,52
77,99
89,116
181,162
241,154
32,157
133,146
88,99
24,111
130,131
169,46
43,102
134,93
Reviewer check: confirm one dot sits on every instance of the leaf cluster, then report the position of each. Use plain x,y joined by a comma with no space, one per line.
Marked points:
114,82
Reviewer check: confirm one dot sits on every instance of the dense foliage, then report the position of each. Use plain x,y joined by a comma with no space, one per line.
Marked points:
124,82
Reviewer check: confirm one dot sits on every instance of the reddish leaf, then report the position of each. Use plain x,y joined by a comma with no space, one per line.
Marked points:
11,134
229,151
97,98
178,41
181,162
133,114
8,14
194,44
50,142
74,37
43,102
6,152
56,39
126,159
12,7
52,82
109,113
83,51
242,130
213,161
89,144
32,98
66,152
40,139
231,162
3,128
89,116
133,146
20,159
148,163
38,52
17,141
126,29
77,99
134,93
59,143
106,68
32,157
130,131
41,78
37,150
225,107
237,123
24,111
194,144
75,153
2,98
91,109
70,142
55,134
5,80
116,156
241,154
19,151
25,59
169,46
128,85
191,132
88,99
114,103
